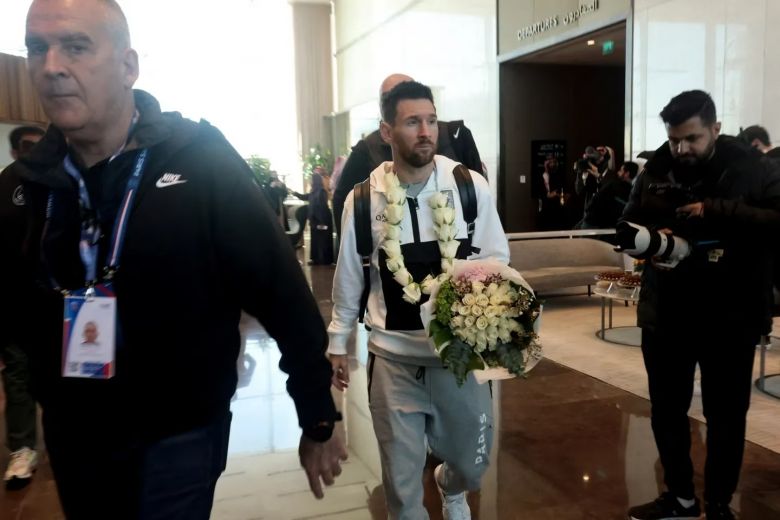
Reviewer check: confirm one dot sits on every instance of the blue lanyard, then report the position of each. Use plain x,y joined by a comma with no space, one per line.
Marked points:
90,229
122,218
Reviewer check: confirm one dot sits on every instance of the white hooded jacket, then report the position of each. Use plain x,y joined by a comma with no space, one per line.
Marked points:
411,345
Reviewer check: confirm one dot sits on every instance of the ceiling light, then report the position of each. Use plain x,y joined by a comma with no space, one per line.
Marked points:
591,42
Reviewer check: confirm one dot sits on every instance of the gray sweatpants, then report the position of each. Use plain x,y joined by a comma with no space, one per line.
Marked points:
409,403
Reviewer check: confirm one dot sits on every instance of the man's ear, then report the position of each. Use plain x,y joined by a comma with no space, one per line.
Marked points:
385,130
14,154
716,128
131,67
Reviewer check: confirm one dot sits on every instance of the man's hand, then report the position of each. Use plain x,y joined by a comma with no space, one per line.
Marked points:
695,209
321,460
340,366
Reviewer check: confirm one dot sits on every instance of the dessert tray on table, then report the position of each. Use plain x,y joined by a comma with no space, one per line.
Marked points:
618,284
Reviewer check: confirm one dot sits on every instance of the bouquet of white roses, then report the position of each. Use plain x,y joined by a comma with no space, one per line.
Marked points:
482,315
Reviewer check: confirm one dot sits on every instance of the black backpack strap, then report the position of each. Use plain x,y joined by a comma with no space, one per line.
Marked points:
468,198
364,240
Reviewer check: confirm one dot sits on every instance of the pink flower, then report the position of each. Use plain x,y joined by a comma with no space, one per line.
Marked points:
474,274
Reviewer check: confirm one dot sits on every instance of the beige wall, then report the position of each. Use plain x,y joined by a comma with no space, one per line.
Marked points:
559,20
313,72
446,44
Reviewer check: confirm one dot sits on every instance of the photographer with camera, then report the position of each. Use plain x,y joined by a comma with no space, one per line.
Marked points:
716,203
596,168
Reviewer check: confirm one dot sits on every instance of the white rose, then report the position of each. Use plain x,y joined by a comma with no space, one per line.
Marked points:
492,288
394,214
412,293
469,321
504,335
476,310
438,200
391,179
477,287
393,233
481,323
469,299
490,310
444,216
449,249
470,337
392,248
396,195
492,334
464,310
394,264
427,284
481,341
402,276
457,322
445,232
493,320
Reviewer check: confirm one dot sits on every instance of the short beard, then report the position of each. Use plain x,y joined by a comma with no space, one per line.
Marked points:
419,159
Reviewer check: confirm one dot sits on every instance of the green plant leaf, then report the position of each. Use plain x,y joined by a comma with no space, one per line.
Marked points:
460,359
510,356
441,334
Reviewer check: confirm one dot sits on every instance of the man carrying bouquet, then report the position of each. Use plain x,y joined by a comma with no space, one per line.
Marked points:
413,398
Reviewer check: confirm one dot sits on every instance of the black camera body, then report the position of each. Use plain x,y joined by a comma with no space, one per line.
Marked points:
673,194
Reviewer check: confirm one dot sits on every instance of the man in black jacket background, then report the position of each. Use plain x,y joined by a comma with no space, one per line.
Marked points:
455,141
724,199
200,246
20,409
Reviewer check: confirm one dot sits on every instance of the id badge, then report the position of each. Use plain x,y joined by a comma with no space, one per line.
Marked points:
89,335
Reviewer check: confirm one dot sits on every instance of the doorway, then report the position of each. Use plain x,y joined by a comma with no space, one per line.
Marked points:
558,101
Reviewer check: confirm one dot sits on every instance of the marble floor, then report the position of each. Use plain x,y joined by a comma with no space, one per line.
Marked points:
573,440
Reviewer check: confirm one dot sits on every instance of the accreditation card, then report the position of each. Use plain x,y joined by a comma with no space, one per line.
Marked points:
88,336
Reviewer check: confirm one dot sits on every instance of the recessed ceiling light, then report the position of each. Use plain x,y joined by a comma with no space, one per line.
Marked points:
591,42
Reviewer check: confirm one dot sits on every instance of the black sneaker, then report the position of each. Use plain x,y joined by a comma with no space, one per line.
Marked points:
718,512
665,507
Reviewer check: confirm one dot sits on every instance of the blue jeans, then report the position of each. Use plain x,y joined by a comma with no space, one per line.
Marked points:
167,479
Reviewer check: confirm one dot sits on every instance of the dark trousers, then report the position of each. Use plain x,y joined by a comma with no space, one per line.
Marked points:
725,359
20,408
102,476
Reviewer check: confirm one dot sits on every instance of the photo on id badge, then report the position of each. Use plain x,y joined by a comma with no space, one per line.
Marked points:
88,337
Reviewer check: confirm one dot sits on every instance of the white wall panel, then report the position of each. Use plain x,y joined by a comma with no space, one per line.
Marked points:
721,46
449,45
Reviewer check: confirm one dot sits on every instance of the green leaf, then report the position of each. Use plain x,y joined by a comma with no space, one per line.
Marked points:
441,334
460,359
510,356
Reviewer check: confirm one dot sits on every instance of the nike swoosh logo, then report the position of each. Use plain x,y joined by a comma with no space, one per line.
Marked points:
455,135
169,179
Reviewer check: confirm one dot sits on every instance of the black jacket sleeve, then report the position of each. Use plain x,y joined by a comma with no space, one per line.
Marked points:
261,268
763,211
465,148
357,169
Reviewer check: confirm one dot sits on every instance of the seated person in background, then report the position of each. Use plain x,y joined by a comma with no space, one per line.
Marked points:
606,206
